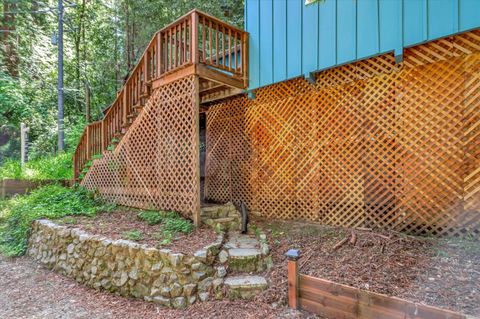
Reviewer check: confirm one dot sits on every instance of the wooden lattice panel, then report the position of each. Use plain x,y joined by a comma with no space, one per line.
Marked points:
369,144
156,164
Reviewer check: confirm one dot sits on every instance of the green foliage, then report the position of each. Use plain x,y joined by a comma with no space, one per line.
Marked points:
171,224
52,201
11,169
154,217
133,234
105,40
177,225
51,167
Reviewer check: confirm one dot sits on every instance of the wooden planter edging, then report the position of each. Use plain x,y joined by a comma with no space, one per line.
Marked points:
334,300
10,187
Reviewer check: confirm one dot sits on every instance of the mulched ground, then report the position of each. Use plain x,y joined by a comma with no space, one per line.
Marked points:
28,290
442,273
115,224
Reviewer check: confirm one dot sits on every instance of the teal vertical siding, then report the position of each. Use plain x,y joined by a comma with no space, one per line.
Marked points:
327,39
290,39
280,41
294,38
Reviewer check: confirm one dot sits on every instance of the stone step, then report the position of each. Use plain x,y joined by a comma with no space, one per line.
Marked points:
245,286
245,260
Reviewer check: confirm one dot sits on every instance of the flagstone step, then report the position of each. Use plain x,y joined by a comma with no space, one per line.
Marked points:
245,286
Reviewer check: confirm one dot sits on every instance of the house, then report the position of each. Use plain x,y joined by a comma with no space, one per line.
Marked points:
355,113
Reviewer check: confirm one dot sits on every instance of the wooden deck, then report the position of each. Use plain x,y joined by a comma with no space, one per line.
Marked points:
195,44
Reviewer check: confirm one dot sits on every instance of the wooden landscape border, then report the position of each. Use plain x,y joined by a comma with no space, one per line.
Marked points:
10,187
327,298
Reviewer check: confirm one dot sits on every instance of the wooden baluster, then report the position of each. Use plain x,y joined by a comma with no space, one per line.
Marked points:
194,44
216,43
210,41
164,52
169,53
204,44
124,106
223,47
159,53
88,141
229,51
183,36
244,56
145,72
235,51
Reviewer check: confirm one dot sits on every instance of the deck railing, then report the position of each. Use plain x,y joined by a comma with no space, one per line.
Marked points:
195,38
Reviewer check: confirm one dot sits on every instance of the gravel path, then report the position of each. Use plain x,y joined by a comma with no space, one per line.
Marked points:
28,290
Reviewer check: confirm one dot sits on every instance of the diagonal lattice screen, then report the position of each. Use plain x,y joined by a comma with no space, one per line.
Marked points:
156,164
370,144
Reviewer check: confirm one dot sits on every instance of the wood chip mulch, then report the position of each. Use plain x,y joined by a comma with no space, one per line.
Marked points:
28,290
114,225
437,272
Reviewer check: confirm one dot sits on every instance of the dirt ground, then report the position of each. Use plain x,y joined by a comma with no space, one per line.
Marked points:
442,273
28,290
436,272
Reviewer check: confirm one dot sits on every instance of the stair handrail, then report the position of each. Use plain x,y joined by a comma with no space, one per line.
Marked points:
186,41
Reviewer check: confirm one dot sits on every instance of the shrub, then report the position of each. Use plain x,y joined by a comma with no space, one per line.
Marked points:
11,169
52,201
53,167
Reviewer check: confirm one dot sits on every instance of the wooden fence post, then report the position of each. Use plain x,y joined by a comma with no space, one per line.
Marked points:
293,255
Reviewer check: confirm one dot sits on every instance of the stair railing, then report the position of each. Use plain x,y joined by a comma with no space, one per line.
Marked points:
195,38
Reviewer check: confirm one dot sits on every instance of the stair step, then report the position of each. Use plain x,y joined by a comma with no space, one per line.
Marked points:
244,253
245,260
245,286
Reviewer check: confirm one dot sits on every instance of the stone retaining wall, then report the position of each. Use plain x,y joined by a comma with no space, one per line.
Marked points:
127,268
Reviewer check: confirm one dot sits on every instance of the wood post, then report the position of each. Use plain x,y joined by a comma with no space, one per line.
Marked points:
89,151
102,136
293,255
196,216
194,39
159,54
124,106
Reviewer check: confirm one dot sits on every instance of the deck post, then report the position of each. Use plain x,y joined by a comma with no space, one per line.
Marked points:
102,135
293,255
196,214
89,151
124,106
194,39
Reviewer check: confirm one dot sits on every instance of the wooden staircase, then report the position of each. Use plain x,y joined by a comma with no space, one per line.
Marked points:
196,43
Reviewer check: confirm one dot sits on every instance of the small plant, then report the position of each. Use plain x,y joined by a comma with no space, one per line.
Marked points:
155,217
167,239
133,234
151,217
177,225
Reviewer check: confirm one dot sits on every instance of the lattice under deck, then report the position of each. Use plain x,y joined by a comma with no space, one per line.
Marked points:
370,144
156,164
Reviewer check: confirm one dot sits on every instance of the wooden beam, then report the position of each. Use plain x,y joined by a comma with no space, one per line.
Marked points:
217,76
173,76
228,92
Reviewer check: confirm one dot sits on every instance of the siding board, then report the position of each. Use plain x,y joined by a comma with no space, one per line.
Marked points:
280,40
289,38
